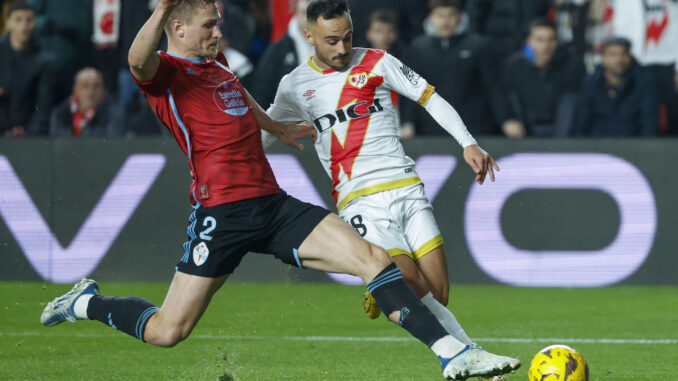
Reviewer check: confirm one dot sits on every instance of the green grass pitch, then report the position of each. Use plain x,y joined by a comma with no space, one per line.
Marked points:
319,332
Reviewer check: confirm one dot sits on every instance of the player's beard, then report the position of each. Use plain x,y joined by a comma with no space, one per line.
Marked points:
335,62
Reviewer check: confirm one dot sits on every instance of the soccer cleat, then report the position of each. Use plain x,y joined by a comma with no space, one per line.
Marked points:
473,361
61,308
372,309
495,378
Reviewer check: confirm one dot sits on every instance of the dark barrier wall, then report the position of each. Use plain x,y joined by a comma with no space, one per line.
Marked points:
579,213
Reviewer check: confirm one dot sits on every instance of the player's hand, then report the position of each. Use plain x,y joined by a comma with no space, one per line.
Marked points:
292,132
481,163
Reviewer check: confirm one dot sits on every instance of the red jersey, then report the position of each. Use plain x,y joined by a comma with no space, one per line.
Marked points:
205,107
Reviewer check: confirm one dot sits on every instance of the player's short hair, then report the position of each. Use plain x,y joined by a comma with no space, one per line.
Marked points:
541,22
433,4
386,16
19,6
328,9
184,11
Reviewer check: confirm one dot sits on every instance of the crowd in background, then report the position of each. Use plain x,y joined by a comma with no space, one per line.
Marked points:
515,68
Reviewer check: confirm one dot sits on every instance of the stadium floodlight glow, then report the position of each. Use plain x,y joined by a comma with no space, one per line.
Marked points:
111,213
550,268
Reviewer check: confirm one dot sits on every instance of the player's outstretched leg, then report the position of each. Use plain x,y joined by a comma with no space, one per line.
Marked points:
185,303
433,267
334,246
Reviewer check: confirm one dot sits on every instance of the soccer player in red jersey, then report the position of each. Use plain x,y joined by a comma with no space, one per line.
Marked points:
237,204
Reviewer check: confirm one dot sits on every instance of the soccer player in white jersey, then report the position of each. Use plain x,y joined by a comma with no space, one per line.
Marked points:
345,93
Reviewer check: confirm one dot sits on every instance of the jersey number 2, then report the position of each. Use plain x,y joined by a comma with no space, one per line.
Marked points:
211,224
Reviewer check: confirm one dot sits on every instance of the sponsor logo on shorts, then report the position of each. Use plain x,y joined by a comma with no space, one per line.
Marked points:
200,253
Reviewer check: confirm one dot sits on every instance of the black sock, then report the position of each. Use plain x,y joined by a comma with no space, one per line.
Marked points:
393,294
128,315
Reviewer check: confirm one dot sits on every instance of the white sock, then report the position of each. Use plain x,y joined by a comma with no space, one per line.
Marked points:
446,318
447,346
80,307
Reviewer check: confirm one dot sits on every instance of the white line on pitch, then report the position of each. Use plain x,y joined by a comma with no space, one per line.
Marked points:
357,338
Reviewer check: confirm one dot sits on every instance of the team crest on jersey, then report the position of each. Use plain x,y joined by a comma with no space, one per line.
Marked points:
230,100
200,253
358,80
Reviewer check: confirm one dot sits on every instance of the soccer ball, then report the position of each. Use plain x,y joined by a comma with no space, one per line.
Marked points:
558,363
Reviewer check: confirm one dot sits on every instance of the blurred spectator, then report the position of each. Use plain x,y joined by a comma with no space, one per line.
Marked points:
461,67
572,19
505,22
282,57
652,28
238,62
281,13
411,15
143,122
238,27
619,98
64,28
88,111
116,23
382,32
542,81
4,12
26,79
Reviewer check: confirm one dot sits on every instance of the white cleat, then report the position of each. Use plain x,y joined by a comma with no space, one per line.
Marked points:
61,308
473,361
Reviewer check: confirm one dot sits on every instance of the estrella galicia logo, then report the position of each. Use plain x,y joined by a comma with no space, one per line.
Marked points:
411,75
355,111
200,253
231,101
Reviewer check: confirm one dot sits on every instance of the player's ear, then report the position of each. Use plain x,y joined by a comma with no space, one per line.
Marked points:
178,28
309,37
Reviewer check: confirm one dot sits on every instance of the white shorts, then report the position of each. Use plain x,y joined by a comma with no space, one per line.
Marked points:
399,220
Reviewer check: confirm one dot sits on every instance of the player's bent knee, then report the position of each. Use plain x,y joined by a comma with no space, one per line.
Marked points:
379,257
371,262
171,336
442,295
417,283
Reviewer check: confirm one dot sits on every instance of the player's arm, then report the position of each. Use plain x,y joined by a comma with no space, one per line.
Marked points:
448,118
142,59
289,133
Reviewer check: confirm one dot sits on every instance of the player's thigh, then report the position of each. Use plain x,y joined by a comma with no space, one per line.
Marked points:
423,236
334,246
186,301
433,266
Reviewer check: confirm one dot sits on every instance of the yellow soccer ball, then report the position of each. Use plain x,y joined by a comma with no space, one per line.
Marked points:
558,363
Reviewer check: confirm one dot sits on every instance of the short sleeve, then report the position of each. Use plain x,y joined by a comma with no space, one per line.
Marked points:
405,81
282,109
160,83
